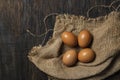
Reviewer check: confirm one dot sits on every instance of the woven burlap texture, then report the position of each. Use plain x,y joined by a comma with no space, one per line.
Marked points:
106,45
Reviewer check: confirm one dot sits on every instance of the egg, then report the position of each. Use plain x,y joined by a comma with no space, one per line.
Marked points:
86,55
69,38
84,38
69,57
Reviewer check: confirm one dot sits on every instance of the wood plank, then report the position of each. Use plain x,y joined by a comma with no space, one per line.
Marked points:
18,15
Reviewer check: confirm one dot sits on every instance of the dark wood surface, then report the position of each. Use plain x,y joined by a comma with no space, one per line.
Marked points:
18,15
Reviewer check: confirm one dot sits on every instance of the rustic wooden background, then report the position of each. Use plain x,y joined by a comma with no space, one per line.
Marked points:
18,15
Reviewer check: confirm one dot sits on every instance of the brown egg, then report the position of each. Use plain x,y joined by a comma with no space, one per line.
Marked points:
69,39
69,57
86,55
84,38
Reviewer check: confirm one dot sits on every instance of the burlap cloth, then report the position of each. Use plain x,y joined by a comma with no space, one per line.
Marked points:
106,44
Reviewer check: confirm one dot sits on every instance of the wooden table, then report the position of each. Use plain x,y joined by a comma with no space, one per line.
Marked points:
18,15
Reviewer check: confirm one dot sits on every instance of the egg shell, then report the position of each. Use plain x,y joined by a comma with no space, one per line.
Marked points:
86,55
69,38
84,38
69,57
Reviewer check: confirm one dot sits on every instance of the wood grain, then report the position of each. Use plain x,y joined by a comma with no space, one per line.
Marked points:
18,15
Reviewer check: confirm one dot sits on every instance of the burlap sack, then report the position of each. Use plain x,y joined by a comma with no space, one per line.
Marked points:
106,44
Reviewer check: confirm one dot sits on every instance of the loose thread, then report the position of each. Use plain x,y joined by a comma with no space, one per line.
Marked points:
114,2
104,6
35,35
117,7
46,29
88,12
44,20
